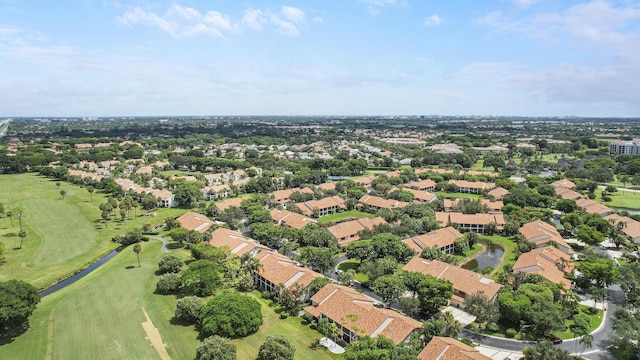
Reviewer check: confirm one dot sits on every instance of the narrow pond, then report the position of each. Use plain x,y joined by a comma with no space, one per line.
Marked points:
489,258
70,280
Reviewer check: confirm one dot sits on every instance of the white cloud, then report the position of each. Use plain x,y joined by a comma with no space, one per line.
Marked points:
294,14
433,20
180,21
375,7
607,34
254,19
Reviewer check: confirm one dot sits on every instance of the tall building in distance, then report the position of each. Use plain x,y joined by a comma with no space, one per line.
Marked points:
631,147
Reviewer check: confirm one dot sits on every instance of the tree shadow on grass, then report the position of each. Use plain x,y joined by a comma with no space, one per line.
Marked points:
8,336
174,245
130,267
11,234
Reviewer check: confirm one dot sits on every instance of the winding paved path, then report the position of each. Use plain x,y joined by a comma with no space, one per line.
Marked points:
165,242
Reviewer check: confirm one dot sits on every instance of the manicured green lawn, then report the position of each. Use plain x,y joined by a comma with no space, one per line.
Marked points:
63,235
509,246
303,337
353,264
594,322
347,215
457,195
623,199
101,316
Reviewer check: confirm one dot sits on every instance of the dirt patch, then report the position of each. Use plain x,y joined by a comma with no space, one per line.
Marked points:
153,335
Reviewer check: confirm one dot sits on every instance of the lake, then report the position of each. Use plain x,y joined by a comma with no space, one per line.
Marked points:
489,258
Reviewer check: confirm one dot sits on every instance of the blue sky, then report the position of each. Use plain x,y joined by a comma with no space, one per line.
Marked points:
319,57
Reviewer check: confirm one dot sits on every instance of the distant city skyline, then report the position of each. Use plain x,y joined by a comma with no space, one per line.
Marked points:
536,58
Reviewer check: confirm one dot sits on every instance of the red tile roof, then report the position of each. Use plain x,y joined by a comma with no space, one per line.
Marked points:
357,313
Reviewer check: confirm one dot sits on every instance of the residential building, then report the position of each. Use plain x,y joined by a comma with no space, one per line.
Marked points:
446,348
290,219
492,206
277,270
548,262
565,183
225,204
282,196
567,194
542,233
465,282
472,187
629,227
631,147
375,203
347,232
477,223
322,207
421,196
444,239
365,181
195,221
215,192
356,315
237,244
593,207
498,193
424,185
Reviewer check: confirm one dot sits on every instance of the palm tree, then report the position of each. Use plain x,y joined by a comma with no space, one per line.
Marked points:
452,326
91,189
137,249
10,216
249,263
586,340
20,211
22,234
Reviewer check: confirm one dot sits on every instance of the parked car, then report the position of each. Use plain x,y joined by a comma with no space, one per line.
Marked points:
556,340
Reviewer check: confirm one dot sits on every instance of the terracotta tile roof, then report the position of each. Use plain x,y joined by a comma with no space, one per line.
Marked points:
565,183
290,219
195,221
498,192
440,238
546,262
540,233
481,185
347,232
279,269
422,184
631,228
484,173
421,196
225,204
364,181
567,194
376,201
308,207
237,243
326,186
357,313
445,348
435,171
283,195
445,218
492,206
465,282
593,207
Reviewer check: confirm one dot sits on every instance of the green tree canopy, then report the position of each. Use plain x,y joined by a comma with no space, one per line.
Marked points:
232,315
18,299
276,347
216,348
